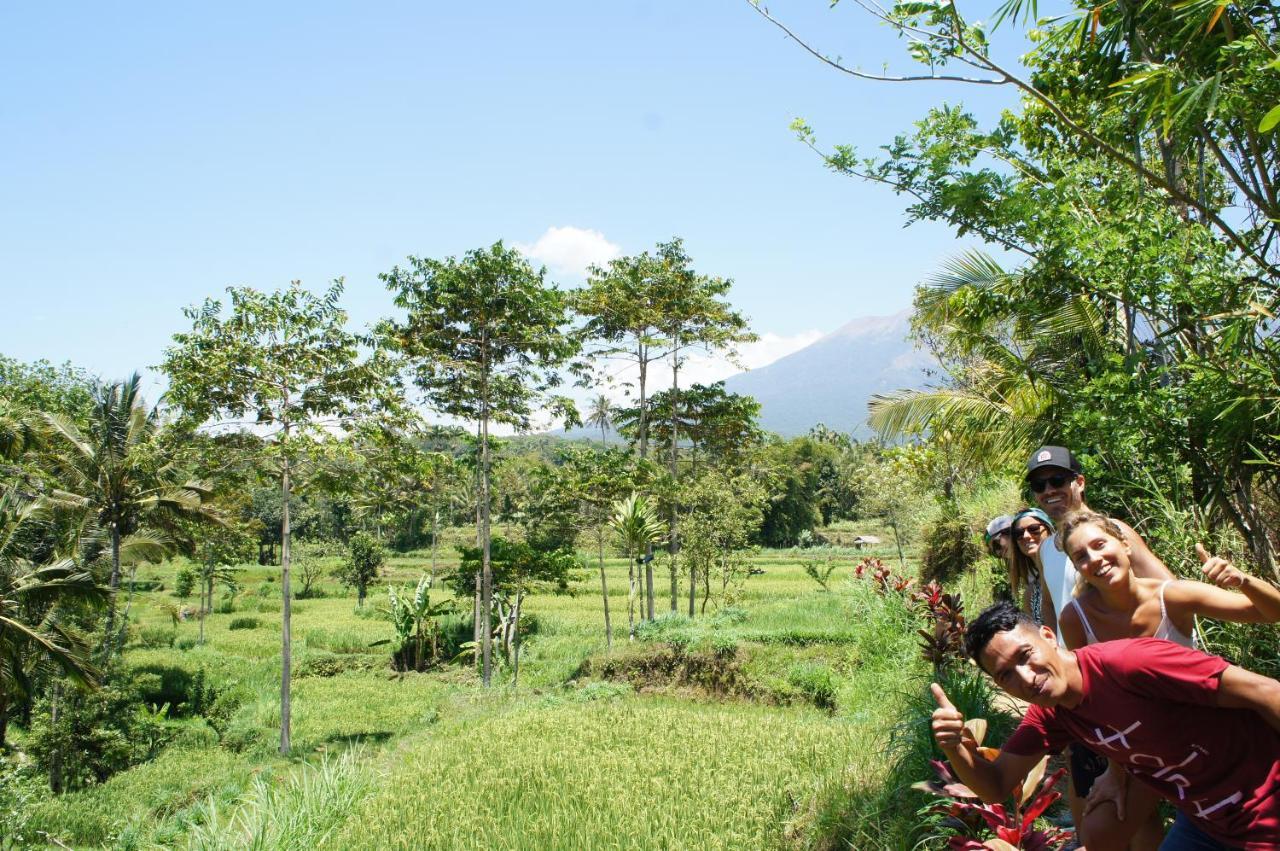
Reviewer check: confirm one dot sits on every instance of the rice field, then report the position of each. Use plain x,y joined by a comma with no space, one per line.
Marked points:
568,758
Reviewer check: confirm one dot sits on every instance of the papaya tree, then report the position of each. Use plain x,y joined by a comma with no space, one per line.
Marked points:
485,341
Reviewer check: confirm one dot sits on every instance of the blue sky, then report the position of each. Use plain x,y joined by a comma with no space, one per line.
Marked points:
153,154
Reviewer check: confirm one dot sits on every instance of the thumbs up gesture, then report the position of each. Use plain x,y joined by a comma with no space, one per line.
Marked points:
948,724
1219,571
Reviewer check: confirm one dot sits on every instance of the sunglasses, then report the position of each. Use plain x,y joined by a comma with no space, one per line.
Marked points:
1033,529
1057,480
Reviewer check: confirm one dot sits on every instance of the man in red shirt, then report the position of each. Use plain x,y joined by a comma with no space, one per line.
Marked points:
1201,732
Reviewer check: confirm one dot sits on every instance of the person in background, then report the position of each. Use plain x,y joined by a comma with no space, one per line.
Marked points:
1115,604
1029,529
998,544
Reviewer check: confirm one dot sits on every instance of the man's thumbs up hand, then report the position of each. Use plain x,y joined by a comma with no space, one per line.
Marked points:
948,724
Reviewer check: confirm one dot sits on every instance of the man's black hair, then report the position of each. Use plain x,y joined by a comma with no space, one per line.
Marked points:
1003,616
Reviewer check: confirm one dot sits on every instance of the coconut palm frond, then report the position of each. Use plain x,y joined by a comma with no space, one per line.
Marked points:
990,430
144,545
1077,316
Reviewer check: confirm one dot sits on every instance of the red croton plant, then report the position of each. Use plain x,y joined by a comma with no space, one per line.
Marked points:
1013,824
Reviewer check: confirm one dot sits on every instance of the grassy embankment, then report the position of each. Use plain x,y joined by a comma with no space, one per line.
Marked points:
760,726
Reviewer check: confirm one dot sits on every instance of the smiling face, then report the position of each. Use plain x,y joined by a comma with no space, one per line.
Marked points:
1030,532
1100,557
1025,662
1062,491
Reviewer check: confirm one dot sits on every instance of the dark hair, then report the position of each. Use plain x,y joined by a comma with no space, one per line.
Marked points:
1000,617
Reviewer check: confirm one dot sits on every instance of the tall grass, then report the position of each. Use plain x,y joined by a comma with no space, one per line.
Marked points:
296,814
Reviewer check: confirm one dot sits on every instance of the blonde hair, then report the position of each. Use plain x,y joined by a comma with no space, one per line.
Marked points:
1076,519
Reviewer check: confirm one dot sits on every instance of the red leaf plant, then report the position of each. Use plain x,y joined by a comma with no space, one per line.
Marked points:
1014,824
945,641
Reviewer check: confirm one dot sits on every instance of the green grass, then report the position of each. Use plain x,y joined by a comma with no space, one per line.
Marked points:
620,773
795,759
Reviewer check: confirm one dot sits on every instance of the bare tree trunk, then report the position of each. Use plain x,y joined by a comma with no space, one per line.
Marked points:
631,597
435,538
55,758
673,542
693,587
706,588
286,636
648,582
604,593
642,358
515,667
486,596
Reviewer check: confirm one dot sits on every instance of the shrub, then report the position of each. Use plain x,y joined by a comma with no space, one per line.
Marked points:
949,546
244,623
332,664
184,583
816,682
226,604
157,637
362,565
185,643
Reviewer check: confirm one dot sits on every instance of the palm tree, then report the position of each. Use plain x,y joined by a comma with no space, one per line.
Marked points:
638,528
115,467
1005,401
601,415
31,627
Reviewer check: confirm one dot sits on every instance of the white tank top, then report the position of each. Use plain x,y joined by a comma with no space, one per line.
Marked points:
1166,628
1059,577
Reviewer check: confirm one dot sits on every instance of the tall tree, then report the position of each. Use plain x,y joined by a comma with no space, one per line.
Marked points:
485,339
692,315
286,362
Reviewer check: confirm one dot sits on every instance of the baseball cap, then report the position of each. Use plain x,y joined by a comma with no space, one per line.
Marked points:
998,525
1053,456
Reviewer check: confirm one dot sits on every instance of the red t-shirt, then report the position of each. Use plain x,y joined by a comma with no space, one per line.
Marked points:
1149,704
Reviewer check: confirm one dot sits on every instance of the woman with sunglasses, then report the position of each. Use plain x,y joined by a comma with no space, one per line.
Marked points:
1029,529
1112,604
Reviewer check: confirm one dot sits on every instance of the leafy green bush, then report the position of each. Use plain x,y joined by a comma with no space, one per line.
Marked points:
949,546
816,682
94,735
226,604
184,582
157,637
246,622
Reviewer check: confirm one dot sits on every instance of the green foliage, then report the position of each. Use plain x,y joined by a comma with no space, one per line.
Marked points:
820,571
418,640
949,546
247,622
155,637
817,682
364,560
93,735
184,582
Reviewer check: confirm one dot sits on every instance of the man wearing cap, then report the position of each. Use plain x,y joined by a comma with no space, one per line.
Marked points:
1057,483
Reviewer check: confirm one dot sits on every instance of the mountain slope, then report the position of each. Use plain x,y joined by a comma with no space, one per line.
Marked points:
831,380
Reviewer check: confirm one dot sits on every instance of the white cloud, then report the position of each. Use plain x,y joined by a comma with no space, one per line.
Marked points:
569,250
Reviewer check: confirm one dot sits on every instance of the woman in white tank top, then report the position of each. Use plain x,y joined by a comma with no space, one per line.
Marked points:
1111,603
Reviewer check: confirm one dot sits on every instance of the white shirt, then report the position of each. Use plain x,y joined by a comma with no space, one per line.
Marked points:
1060,577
